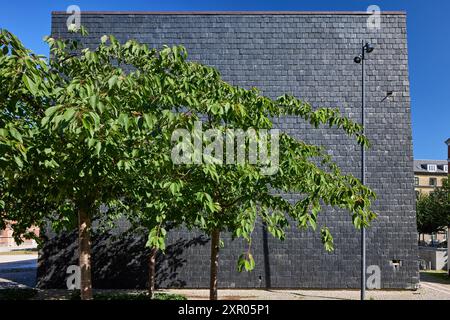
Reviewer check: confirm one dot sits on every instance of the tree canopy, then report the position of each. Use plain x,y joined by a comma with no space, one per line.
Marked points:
95,126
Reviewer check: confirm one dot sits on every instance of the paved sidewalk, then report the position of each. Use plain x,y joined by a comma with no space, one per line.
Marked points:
17,248
431,288
426,292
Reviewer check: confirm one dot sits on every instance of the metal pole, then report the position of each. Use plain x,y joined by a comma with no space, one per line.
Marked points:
363,181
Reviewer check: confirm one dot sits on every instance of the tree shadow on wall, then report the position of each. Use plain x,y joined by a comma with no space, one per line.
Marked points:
56,254
172,261
118,261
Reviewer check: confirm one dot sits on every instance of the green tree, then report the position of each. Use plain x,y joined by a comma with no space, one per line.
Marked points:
20,106
101,116
441,198
433,210
426,219
215,197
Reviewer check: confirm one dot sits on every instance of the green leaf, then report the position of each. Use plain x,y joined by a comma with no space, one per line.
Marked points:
31,86
15,134
51,111
91,142
18,161
96,119
327,239
112,81
246,262
124,120
45,121
150,120
4,132
98,148
173,188
68,114
356,221
312,222
241,263
93,101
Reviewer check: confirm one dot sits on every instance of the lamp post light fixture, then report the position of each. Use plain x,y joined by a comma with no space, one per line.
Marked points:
389,94
366,48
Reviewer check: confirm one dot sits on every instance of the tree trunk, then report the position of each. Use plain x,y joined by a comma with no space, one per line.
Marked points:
84,247
152,272
215,239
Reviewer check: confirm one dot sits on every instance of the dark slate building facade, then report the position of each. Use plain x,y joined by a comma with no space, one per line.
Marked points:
308,54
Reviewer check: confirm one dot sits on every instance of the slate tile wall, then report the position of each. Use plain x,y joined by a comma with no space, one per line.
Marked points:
310,56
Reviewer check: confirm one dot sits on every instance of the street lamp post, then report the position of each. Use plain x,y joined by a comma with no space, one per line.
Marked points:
448,227
365,48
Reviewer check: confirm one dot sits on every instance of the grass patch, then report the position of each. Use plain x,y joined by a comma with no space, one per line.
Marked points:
169,296
17,294
439,274
129,296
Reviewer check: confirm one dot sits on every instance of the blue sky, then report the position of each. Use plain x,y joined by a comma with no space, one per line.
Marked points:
428,41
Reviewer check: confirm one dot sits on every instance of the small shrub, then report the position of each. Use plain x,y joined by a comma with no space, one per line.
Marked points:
129,296
17,294
169,296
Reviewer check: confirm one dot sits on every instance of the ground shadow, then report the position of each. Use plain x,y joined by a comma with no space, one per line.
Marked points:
22,272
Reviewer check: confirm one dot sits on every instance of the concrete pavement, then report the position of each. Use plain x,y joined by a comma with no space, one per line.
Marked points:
17,248
426,292
431,288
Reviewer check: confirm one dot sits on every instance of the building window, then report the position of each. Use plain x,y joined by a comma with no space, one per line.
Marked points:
446,168
416,181
432,168
417,194
433,182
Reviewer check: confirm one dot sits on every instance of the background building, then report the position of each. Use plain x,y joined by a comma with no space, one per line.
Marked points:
448,146
310,55
429,174
7,240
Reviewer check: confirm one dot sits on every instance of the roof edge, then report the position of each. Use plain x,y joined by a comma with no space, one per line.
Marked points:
233,12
